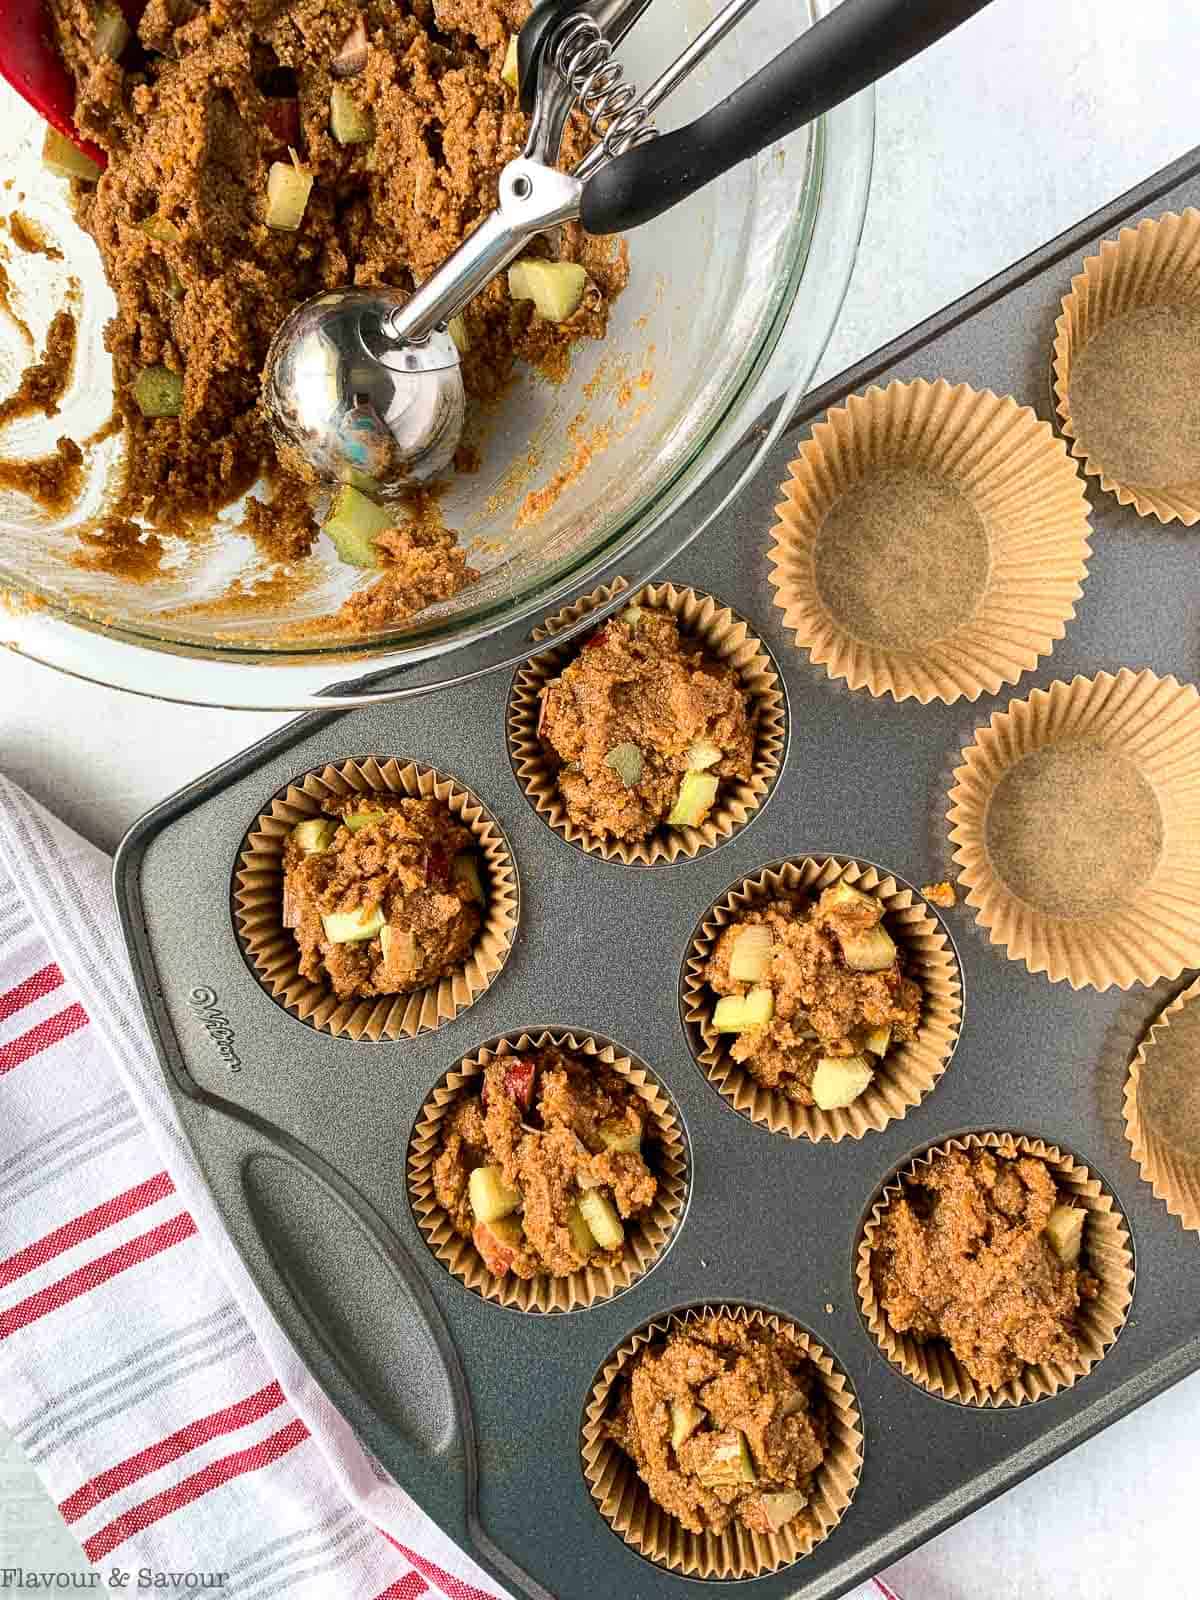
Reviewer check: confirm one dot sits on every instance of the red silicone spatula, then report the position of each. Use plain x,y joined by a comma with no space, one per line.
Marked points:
31,64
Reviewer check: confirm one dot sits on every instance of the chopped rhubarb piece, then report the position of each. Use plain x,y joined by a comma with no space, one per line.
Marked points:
520,1082
353,523
701,755
399,946
457,329
158,392
162,229
498,1243
352,57
111,33
597,639
282,117
778,1510
555,287
437,867
623,1136
730,1462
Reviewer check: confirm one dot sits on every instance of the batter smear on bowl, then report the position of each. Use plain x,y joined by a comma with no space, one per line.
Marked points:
813,995
724,1421
259,154
541,1166
982,1251
383,896
644,727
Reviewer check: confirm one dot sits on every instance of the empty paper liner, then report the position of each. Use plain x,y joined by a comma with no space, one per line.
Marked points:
624,1501
1076,821
1106,1255
726,638
1127,367
1162,1107
272,952
904,1075
932,542
646,1236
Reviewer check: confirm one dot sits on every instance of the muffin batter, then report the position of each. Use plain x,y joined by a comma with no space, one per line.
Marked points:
193,111
644,727
538,1168
816,1006
725,1422
982,1251
385,899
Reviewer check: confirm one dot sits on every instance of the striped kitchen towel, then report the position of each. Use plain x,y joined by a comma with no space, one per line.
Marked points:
166,1412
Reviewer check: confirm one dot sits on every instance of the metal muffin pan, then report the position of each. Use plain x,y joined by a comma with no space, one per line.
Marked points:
476,1408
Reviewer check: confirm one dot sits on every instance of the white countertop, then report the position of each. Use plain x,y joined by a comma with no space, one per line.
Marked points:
1033,115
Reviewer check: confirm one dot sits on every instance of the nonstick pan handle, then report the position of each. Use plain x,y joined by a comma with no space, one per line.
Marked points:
854,46
348,1293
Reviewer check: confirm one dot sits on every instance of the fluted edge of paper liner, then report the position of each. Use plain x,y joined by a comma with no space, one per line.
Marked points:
1025,487
624,1502
1173,1178
1151,721
272,952
1107,1255
1156,263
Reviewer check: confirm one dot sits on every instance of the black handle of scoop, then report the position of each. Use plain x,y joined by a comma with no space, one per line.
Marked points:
854,46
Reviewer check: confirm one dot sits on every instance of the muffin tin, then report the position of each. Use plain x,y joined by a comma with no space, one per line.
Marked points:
477,1408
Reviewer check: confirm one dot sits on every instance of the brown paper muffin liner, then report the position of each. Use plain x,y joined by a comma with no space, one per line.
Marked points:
1076,816
272,953
932,543
625,1502
727,638
1107,1255
905,1075
1153,268
1162,1107
646,1237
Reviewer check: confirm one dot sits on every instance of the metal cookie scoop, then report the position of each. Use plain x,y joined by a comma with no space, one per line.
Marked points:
365,383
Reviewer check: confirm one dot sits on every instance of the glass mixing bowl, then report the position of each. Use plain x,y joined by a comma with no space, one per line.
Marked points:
731,300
